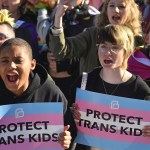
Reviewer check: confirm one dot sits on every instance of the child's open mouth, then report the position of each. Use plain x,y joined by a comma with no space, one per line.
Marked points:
12,77
108,61
116,18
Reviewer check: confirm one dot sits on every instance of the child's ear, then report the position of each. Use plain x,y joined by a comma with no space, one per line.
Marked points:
33,64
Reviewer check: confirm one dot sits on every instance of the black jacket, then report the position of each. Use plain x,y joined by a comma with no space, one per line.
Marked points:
41,89
135,87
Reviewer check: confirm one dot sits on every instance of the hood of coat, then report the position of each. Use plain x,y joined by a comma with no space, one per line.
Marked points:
38,78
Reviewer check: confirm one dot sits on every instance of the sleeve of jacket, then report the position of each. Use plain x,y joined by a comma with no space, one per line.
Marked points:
59,96
75,46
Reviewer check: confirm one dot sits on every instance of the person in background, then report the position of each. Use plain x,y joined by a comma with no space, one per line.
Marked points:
24,81
139,2
45,10
147,36
6,26
145,9
80,46
77,18
25,23
139,62
95,3
115,45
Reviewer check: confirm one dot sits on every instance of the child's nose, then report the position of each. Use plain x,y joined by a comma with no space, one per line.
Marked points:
108,53
12,65
116,9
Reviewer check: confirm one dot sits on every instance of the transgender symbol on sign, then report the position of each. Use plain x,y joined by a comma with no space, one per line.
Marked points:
114,104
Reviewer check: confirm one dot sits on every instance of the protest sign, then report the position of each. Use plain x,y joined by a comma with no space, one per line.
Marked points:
31,126
111,122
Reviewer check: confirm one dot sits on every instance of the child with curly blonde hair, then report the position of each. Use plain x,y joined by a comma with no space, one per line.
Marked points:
6,26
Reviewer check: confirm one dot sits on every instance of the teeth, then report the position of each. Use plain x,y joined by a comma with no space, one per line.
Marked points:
11,74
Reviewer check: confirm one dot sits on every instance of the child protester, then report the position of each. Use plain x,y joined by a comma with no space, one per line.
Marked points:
6,26
24,81
115,46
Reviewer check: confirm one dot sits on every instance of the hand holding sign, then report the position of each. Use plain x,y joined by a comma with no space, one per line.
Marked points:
146,131
75,111
65,138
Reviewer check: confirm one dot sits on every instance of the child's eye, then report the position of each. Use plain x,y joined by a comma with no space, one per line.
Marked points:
115,48
4,61
103,46
121,7
18,61
111,5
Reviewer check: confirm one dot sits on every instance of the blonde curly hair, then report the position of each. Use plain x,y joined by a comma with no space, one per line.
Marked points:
133,22
5,17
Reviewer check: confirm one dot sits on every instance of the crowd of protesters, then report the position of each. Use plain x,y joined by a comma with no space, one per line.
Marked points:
64,37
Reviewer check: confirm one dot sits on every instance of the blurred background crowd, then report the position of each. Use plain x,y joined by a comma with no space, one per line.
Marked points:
35,21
